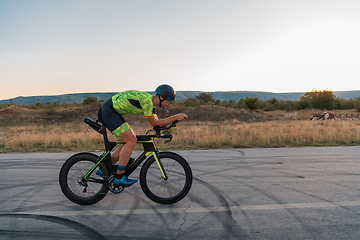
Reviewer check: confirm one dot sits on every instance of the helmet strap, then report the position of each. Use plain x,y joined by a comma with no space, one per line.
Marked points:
161,100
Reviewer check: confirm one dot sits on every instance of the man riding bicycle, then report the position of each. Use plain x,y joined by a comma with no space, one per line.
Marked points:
134,102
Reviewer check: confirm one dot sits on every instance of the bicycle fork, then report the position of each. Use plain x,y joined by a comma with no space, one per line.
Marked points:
141,158
159,163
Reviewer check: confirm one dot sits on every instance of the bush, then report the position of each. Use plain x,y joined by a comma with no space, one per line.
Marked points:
89,100
268,106
320,99
251,102
357,104
205,98
191,102
4,105
341,103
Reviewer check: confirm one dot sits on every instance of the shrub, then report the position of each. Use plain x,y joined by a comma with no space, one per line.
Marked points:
205,98
191,102
251,102
320,99
89,100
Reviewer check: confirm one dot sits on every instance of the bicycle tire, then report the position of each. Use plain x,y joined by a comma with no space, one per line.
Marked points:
71,176
169,191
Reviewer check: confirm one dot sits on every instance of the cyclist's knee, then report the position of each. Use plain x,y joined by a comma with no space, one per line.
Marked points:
129,137
132,141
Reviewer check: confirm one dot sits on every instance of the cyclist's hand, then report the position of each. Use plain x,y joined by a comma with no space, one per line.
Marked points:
181,116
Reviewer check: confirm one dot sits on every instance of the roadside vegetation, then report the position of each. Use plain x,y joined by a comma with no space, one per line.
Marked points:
211,123
316,99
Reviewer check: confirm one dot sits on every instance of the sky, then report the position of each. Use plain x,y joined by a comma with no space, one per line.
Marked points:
76,46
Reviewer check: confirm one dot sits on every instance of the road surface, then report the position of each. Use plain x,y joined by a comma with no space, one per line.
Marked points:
284,193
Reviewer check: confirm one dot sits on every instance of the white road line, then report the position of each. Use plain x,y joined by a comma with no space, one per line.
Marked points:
193,210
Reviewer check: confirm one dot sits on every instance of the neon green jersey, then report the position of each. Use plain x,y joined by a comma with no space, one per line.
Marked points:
135,102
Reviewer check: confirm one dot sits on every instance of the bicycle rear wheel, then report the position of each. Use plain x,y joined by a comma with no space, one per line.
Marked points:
171,190
72,182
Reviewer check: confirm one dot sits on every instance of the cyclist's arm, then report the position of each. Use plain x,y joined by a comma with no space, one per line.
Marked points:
155,121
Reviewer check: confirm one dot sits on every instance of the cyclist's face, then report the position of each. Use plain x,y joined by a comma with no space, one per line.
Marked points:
165,103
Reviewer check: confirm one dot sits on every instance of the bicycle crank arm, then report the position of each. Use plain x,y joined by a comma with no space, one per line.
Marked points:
94,180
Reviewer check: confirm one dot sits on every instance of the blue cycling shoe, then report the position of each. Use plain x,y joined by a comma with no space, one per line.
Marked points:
99,172
125,181
116,167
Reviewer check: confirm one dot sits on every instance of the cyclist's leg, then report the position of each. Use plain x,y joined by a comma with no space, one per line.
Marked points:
125,133
125,153
121,129
116,154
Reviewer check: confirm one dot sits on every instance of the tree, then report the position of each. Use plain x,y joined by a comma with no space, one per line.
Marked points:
205,98
320,99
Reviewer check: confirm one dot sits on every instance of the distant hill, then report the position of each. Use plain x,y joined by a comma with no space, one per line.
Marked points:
181,95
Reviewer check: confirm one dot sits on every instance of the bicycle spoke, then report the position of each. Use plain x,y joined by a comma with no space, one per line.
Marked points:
72,181
174,187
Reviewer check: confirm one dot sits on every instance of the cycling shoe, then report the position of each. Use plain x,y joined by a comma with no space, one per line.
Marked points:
99,172
125,181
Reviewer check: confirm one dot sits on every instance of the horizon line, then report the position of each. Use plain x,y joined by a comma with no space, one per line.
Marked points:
47,95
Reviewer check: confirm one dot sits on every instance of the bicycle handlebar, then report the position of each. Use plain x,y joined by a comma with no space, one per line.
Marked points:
158,130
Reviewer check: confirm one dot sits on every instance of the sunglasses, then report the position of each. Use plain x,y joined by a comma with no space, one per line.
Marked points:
170,98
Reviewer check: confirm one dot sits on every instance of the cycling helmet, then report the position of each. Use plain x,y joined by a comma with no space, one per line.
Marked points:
167,92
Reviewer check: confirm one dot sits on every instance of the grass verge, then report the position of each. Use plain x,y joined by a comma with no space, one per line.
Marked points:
77,136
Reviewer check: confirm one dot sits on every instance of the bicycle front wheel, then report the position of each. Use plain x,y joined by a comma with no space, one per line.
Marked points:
73,184
170,190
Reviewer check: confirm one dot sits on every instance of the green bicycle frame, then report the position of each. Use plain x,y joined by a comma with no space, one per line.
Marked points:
149,149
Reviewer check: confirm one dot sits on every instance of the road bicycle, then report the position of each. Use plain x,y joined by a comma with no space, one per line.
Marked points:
165,177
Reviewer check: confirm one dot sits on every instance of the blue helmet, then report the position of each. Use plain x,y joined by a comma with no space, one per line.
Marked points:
167,92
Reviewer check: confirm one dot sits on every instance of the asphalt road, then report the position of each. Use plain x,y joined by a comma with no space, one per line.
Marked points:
286,193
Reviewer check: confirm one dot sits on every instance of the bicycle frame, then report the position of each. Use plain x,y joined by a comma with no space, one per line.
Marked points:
149,149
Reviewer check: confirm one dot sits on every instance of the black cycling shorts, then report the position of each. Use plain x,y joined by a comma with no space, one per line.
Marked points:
112,119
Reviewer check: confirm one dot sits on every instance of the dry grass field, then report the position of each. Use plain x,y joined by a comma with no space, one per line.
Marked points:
24,130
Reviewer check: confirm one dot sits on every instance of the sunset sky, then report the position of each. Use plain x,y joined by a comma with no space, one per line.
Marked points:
71,46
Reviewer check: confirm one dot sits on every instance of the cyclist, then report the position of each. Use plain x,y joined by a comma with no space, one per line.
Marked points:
133,102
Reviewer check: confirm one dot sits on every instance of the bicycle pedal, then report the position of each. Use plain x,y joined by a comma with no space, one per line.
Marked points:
122,185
